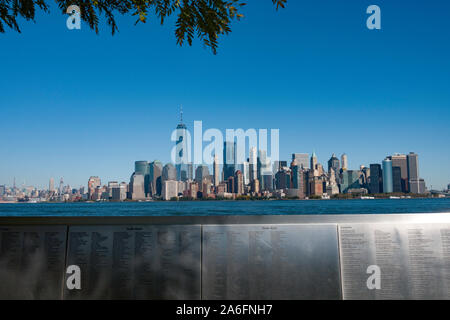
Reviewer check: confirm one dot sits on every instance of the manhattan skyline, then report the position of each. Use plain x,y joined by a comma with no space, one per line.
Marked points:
75,104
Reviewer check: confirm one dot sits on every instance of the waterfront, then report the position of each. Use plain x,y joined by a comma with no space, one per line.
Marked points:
206,208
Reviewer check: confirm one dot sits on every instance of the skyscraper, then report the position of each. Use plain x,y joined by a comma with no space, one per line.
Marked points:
61,186
169,172
397,179
302,159
229,159
155,178
51,185
216,172
313,162
137,189
376,179
388,183
333,163
413,172
143,168
344,162
93,183
253,164
201,173
400,160
182,147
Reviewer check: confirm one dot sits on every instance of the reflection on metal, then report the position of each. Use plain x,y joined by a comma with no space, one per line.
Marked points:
32,262
136,262
236,257
414,260
270,262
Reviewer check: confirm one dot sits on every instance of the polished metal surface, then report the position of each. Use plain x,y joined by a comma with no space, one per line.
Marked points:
414,260
270,262
32,262
136,262
222,220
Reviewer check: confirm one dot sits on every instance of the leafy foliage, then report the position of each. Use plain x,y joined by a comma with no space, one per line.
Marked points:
204,19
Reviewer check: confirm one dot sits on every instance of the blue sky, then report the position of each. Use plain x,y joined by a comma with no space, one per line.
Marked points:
75,104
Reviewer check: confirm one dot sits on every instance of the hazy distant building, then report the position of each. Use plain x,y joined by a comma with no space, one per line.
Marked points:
2,190
376,179
344,162
93,183
216,172
302,160
246,172
51,185
388,183
334,164
201,173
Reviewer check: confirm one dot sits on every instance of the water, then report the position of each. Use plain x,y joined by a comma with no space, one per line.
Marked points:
205,208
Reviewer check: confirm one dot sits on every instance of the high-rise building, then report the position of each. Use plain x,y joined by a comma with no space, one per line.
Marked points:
61,186
137,188
253,163
143,168
2,190
313,162
302,159
400,160
350,180
201,173
334,163
229,159
169,189
111,186
169,172
51,185
93,183
156,168
413,172
246,172
388,183
376,179
239,182
397,179
344,162
182,148
216,172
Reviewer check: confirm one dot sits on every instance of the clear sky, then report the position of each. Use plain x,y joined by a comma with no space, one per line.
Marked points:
75,104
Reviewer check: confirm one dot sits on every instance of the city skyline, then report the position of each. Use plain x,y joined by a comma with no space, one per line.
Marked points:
76,104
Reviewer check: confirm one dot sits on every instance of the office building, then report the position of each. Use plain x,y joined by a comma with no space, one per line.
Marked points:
137,188
397,179
302,160
156,168
376,179
169,189
169,172
253,163
229,159
216,171
143,168
350,180
400,160
344,162
388,183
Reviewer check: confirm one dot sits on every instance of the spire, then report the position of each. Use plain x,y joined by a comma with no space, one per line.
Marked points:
181,114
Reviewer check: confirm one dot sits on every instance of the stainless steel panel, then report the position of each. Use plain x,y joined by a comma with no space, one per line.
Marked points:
32,262
414,260
270,262
136,262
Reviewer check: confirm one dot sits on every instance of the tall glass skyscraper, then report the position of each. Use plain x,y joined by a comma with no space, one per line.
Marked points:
229,159
182,150
388,182
143,168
